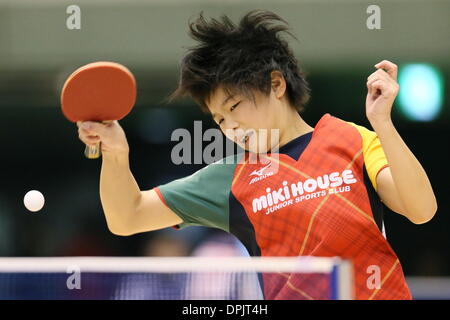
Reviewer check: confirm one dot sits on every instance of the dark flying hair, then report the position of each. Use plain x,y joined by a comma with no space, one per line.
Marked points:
240,58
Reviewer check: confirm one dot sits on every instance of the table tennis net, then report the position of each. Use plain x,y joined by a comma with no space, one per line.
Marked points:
187,278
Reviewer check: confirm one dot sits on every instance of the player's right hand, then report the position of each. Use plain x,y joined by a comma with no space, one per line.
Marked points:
110,134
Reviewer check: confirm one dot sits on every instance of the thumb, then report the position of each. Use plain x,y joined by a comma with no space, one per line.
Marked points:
96,128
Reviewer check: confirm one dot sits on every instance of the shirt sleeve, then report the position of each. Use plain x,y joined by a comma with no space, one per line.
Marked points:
374,156
201,199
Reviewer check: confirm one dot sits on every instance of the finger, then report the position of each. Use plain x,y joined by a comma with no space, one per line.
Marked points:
369,89
95,128
83,134
391,68
87,133
90,140
378,85
373,80
380,74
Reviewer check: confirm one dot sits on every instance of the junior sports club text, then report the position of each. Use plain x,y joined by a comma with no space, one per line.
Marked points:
303,190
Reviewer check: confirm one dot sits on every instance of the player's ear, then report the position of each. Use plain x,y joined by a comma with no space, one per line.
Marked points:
278,84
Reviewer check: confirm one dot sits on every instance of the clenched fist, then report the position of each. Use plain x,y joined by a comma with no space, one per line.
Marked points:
110,134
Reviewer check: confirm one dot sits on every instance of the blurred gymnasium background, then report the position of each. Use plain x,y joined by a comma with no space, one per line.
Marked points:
41,149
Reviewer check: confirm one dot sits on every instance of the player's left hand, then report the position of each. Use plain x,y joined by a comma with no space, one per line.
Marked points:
382,89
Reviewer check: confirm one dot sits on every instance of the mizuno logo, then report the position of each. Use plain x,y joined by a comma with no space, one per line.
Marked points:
260,174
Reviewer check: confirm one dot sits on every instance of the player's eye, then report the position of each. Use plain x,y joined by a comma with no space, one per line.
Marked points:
220,121
234,106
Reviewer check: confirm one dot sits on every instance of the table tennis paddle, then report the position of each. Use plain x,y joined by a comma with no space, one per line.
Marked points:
99,91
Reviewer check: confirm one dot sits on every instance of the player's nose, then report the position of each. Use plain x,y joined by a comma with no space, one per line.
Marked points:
232,129
231,124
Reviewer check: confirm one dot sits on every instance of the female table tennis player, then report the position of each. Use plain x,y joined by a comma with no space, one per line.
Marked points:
324,198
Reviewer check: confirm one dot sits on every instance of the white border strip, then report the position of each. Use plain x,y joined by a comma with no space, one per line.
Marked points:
169,265
129,3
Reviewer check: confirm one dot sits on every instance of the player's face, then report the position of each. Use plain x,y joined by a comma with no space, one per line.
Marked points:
250,124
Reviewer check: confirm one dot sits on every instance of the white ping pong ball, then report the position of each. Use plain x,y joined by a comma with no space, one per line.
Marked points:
34,200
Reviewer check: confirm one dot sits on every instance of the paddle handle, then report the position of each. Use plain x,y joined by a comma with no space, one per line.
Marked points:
93,152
